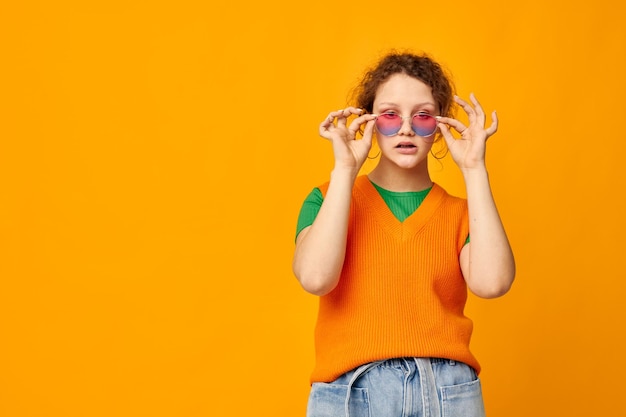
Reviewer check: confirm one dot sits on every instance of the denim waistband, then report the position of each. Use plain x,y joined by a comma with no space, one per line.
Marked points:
408,364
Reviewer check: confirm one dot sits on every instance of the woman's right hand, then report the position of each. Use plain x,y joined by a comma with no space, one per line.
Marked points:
321,247
349,152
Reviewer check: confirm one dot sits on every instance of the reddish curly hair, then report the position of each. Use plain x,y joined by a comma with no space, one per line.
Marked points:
422,67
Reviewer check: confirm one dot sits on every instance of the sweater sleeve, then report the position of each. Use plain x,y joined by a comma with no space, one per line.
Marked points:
309,210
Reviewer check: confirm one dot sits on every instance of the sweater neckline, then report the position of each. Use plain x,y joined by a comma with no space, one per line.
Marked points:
380,211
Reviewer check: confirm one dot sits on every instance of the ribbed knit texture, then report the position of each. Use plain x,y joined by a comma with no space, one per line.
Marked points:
401,291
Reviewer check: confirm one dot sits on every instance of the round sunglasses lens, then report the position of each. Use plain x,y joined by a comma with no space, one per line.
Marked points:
388,124
424,124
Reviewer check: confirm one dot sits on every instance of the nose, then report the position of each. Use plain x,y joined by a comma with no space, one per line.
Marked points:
406,128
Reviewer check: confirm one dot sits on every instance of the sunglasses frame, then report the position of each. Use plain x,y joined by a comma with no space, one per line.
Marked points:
403,118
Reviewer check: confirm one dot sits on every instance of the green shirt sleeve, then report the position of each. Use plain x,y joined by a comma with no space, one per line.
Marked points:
309,210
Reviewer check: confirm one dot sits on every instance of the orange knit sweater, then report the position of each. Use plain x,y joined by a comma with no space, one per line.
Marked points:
401,291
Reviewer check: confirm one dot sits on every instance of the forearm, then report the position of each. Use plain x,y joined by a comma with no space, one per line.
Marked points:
320,249
489,263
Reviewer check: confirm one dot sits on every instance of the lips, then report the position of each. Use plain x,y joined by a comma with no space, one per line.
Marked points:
405,145
406,148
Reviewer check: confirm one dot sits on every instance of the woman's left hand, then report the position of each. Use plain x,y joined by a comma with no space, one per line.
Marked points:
468,151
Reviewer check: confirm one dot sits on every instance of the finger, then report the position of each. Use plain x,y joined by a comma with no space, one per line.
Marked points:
342,116
356,123
471,113
480,113
368,133
327,123
464,104
335,115
448,121
330,119
351,110
324,126
447,136
346,113
324,132
494,124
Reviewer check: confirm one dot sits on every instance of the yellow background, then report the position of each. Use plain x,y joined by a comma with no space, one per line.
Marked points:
154,156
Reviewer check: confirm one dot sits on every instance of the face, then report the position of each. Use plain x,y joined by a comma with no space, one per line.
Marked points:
405,96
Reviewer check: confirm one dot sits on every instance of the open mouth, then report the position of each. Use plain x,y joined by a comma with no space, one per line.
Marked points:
405,145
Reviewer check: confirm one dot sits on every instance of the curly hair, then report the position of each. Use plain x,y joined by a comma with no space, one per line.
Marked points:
422,67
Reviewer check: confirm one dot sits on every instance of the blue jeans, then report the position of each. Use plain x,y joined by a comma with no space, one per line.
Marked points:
404,387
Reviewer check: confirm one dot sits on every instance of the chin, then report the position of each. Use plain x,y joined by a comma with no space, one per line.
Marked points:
409,163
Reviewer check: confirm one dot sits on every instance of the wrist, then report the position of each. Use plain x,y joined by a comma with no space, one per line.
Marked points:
475,177
339,173
477,170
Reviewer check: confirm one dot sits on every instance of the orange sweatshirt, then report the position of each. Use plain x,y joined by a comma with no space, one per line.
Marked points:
401,291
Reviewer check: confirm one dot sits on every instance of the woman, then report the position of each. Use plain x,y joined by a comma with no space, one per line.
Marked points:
391,254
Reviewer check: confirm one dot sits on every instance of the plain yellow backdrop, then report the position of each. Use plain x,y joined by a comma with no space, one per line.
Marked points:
154,156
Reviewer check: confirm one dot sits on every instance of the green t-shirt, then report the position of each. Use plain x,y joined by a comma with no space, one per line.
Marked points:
402,205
